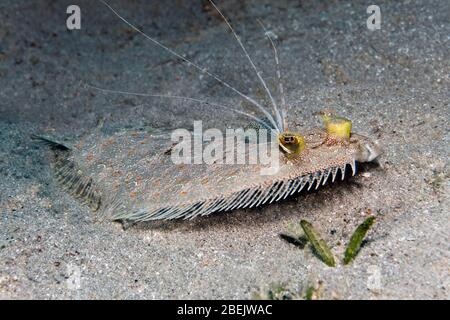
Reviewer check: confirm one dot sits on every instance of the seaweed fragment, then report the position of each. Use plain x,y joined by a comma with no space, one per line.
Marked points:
356,240
319,245
309,293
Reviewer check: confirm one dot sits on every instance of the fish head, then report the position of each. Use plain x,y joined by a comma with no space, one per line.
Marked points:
319,146
368,149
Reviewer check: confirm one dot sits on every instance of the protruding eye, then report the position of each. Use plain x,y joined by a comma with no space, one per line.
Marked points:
289,139
337,127
291,143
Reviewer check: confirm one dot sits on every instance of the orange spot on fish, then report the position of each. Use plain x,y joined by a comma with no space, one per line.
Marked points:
117,173
108,142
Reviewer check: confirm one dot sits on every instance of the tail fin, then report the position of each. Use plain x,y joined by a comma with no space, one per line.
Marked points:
54,145
72,179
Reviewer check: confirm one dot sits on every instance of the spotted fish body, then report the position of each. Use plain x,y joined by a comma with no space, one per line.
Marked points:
130,175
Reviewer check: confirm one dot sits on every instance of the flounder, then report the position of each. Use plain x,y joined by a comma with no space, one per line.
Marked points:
131,175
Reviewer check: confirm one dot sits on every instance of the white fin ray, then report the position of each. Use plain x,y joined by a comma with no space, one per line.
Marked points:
325,179
262,196
256,195
296,185
289,189
197,211
311,179
303,184
280,83
334,172
233,200
258,73
196,66
215,205
343,171
286,190
281,187
270,192
319,180
246,198
241,199
139,94
353,165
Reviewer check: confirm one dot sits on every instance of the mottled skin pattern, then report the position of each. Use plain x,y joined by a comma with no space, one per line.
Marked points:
137,179
131,175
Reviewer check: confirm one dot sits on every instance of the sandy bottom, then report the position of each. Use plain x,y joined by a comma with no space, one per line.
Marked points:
393,83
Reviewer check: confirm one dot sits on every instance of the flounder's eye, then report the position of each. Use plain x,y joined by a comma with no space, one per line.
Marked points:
337,127
289,139
291,143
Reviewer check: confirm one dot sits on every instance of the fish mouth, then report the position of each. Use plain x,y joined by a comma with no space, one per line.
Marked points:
369,151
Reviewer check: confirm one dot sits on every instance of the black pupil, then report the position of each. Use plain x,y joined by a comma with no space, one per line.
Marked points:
288,139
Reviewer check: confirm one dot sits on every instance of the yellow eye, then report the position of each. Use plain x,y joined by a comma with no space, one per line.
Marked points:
291,143
337,127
